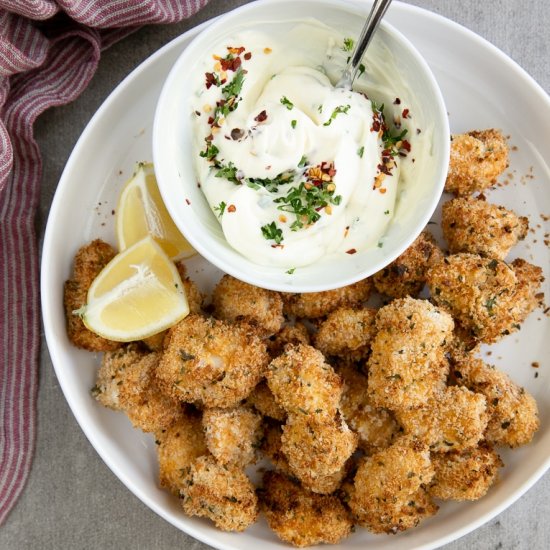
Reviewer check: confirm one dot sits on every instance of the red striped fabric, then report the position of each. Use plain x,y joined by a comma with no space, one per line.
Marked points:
41,66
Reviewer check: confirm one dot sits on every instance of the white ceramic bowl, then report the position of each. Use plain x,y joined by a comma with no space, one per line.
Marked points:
174,166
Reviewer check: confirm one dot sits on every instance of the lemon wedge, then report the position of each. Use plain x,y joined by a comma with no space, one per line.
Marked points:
141,212
137,294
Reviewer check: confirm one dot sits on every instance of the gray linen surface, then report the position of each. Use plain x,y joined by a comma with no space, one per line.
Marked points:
72,500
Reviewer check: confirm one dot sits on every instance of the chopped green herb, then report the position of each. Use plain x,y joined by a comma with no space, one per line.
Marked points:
287,103
341,109
235,86
270,231
386,212
228,172
320,108
291,270
380,244
220,209
489,304
303,161
348,44
210,152
271,184
361,150
293,123
361,69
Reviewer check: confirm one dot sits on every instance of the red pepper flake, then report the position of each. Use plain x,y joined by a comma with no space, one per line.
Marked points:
261,117
406,145
405,113
248,55
231,208
384,169
235,51
418,130
397,101
187,201
535,364
382,190
210,120
211,80
277,246
198,113
351,251
230,64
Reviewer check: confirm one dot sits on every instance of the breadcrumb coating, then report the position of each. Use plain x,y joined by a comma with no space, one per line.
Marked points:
485,296
271,446
195,297
318,304
263,400
385,495
126,381
209,362
406,276
513,412
376,427
453,420
477,159
479,227
407,364
222,493
235,300
88,262
465,475
347,332
178,446
303,383
300,517
296,333
317,446
233,436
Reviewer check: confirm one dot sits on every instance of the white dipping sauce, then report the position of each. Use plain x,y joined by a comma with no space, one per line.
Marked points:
293,168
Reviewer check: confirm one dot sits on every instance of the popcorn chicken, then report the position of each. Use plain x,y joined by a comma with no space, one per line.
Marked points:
477,159
406,276
263,400
296,333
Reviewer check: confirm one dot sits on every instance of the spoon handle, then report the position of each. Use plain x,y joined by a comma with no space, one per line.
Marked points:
379,8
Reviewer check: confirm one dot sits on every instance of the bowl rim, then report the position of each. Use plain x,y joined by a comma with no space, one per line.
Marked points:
243,268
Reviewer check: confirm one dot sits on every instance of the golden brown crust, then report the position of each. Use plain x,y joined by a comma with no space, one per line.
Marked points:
223,494
513,413
477,159
407,364
233,436
318,304
177,447
235,300
88,262
476,226
209,362
300,517
347,332
453,420
126,381
406,276
465,475
263,400
296,333
303,383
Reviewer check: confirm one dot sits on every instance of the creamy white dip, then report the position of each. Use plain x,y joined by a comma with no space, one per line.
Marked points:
293,168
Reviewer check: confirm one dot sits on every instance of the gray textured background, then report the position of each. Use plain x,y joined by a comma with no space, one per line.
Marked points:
72,500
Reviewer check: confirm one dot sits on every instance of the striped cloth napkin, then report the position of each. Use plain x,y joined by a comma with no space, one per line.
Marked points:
49,51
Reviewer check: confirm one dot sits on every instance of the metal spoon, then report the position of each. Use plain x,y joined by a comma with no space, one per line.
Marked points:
377,11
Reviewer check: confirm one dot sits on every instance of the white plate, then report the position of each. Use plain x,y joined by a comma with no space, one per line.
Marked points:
482,88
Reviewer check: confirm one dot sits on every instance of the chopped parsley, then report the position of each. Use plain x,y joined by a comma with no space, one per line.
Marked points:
303,161
270,232
229,172
271,184
220,209
210,152
291,270
360,151
287,103
348,44
293,123
361,69
341,109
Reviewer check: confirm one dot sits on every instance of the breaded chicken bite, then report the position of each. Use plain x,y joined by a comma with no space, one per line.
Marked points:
476,226
313,305
296,333
222,493
263,400
465,475
526,296
513,413
376,427
477,159
407,364
88,262
317,446
387,484
485,296
209,362
303,383
347,332
453,420
406,276
300,517
177,448
235,300
318,483
126,381
233,436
